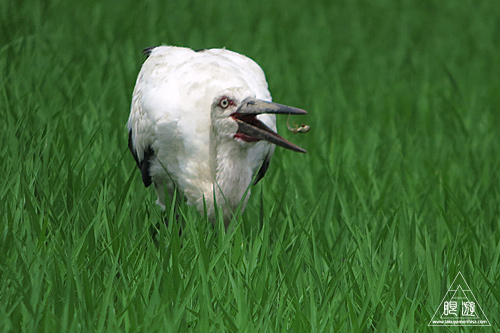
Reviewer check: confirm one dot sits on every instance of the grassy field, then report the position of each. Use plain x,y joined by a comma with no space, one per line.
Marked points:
399,191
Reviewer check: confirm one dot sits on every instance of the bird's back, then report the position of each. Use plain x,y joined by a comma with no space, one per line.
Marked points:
169,123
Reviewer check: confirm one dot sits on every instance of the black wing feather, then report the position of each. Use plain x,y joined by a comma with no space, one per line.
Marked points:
147,51
145,163
263,169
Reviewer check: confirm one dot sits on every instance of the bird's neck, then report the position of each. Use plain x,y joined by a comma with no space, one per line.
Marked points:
233,176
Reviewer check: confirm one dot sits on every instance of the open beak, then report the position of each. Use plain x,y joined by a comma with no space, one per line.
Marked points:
251,129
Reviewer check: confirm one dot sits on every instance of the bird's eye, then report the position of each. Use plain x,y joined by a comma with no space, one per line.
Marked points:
224,102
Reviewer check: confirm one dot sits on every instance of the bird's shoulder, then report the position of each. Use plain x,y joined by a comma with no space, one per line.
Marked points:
240,60
180,64
175,55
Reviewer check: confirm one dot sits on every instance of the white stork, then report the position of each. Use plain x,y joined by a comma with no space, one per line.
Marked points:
203,122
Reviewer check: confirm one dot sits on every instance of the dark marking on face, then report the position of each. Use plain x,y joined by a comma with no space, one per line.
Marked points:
225,102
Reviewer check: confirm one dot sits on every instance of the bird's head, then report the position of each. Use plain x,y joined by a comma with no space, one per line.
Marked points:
234,115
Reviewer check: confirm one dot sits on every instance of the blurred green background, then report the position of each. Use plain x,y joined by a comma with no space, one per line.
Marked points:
399,190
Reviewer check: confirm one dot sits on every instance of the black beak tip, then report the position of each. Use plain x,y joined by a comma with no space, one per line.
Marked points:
302,150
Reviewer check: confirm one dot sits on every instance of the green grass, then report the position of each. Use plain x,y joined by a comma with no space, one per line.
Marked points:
399,190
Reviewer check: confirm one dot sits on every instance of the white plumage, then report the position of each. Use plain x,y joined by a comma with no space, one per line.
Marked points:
202,122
